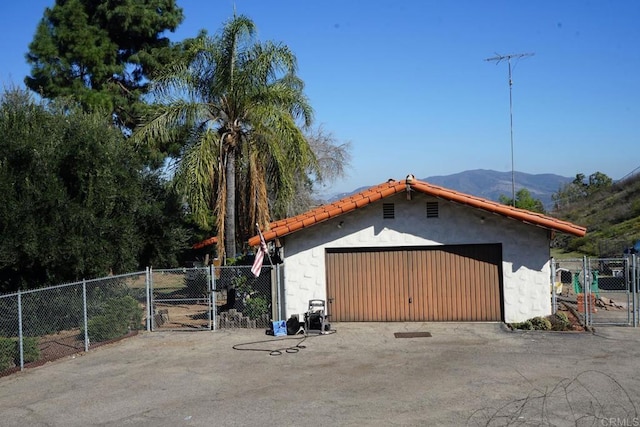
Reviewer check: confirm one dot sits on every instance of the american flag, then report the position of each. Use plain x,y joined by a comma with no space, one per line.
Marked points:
262,251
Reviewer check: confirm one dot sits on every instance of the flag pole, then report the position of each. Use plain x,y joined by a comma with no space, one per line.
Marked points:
265,244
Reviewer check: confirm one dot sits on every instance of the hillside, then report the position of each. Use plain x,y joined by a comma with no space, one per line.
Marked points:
491,184
612,218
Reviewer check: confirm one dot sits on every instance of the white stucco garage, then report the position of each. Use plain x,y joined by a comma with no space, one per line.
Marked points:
411,251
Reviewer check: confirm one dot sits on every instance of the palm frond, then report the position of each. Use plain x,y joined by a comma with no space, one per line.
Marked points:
196,177
165,122
242,103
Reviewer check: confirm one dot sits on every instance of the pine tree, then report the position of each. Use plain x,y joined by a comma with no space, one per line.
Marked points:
102,53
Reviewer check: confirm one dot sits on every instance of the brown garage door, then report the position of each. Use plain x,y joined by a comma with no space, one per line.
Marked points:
438,283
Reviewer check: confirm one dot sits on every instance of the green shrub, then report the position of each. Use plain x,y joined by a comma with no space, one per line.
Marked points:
119,317
10,351
103,328
98,297
541,324
7,349
30,349
256,307
126,308
242,286
526,325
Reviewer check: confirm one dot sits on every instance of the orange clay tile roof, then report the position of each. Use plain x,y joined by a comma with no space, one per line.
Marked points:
206,242
322,213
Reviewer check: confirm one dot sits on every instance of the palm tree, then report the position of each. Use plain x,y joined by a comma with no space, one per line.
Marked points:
240,109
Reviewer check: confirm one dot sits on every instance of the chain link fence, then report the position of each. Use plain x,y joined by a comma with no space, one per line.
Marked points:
243,300
214,297
602,291
45,324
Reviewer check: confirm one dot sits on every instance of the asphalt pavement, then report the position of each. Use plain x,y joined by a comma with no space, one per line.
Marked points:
464,374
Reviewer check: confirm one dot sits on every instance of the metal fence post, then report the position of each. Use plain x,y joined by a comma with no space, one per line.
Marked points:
586,291
146,288
84,312
554,301
275,308
212,299
151,297
20,343
634,283
280,291
629,285
281,312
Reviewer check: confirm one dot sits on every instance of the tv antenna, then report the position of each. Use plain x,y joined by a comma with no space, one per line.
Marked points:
498,59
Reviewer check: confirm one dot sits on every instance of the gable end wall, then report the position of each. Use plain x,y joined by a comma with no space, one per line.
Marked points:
525,249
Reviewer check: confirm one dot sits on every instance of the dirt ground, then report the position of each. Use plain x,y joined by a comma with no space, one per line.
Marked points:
184,316
58,346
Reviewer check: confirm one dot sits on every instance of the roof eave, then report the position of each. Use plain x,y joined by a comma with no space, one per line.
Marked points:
348,204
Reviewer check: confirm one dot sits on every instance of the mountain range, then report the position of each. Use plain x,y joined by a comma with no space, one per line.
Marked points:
491,184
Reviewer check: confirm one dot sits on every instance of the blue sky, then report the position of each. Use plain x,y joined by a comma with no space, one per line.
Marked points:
408,85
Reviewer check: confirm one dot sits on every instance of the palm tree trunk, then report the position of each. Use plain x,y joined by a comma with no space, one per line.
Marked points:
230,210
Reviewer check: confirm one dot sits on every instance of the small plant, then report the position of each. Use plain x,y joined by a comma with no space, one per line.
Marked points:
541,324
526,325
256,307
555,322
242,286
120,316
7,348
560,322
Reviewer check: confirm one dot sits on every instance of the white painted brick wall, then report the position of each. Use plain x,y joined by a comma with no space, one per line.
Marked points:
525,265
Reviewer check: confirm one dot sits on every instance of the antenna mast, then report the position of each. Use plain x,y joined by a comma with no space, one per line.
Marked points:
498,59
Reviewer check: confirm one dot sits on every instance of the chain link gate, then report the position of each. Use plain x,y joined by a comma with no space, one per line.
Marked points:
180,299
214,297
604,291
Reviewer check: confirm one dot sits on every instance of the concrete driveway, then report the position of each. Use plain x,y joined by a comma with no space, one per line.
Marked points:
465,374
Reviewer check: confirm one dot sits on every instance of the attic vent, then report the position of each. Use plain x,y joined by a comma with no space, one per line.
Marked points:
388,211
432,210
